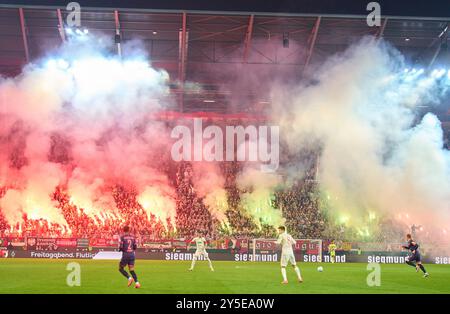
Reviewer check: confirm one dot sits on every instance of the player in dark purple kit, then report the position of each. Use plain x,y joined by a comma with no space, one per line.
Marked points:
414,256
128,247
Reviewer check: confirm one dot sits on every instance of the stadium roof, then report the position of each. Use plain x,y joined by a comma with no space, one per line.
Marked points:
216,42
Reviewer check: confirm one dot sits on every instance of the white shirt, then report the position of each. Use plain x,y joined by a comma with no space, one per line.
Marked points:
200,243
286,241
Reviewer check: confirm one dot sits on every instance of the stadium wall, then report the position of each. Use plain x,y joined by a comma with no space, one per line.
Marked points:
181,255
240,250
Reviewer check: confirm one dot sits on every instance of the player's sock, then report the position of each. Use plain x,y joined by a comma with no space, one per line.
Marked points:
193,263
124,272
283,273
411,264
210,264
297,271
134,276
422,268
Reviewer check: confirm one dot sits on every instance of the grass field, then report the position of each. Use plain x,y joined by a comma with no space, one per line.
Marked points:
49,276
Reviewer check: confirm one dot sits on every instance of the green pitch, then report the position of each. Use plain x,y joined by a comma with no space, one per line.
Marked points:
49,276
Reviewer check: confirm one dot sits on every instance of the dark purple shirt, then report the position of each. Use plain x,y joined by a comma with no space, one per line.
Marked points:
127,244
412,246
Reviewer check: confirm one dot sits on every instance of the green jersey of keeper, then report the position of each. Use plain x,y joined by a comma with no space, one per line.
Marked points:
332,250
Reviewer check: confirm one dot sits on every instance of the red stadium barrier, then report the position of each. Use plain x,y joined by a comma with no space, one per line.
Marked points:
97,242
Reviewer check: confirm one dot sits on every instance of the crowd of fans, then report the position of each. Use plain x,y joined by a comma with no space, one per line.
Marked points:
240,223
192,214
300,207
299,204
78,223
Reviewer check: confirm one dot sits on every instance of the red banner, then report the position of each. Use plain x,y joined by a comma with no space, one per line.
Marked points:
103,243
179,244
46,244
31,243
157,244
308,246
63,242
266,245
46,241
17,242
242,244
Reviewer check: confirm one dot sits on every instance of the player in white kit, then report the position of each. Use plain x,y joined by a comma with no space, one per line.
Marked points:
200,242
287,254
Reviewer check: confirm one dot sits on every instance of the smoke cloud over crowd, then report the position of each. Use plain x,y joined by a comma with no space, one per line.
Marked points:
376,157
80,119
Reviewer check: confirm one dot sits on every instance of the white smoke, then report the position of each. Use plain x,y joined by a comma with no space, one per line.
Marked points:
361,110
98,104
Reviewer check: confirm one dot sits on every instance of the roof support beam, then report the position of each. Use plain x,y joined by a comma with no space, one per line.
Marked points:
61,29
424,17
312,44
248,38
24,34
220,33
182,57
182,40
118,36
442,37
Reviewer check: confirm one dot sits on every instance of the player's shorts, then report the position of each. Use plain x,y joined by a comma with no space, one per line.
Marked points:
287,258
333,254
415,257
127,260
200,253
